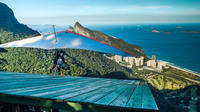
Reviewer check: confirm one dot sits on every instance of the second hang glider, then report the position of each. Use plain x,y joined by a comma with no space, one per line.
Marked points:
66,39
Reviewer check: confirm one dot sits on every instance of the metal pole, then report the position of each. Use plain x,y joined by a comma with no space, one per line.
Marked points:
55,69
54,32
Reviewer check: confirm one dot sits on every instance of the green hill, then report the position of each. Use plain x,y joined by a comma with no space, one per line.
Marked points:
77,63
130,48
9,23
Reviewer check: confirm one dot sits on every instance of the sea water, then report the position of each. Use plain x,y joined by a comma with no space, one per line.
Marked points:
176,43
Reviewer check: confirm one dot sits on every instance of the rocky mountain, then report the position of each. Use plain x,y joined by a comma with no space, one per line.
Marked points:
9,23
132,49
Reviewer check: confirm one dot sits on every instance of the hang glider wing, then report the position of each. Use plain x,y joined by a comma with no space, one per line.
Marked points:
66,39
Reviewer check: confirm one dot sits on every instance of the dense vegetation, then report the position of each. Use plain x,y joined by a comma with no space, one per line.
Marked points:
173,79
6,36
132,49
175,90
78,62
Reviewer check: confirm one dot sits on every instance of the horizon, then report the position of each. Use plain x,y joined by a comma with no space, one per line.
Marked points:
105,12
124,24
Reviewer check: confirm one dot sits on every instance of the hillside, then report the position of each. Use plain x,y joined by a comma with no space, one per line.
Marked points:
9,23
76,63
132,49
185,100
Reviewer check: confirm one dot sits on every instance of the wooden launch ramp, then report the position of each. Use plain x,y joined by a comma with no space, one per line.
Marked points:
54,91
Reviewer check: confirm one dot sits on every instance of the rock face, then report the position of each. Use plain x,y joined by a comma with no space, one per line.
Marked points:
132,49
8,22
71,29
81,30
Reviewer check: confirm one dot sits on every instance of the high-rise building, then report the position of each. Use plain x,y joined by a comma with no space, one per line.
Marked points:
126,59
149,63
139,61
154,64
131,60
118,58
153,57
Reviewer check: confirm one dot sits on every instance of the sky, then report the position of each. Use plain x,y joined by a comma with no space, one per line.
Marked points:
66,12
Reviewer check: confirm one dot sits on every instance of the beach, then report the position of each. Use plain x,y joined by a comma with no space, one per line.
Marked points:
183,69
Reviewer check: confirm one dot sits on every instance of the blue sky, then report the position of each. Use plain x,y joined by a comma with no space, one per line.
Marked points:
62,12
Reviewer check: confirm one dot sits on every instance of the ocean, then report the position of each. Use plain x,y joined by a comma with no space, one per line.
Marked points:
178,44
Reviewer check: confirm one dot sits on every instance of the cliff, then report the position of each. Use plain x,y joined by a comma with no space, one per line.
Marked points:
9,23
132,49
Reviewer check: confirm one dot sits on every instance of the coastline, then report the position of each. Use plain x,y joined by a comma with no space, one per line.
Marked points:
180,68
183,69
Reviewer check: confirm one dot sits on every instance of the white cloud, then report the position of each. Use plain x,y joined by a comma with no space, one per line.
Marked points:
157,7
69,10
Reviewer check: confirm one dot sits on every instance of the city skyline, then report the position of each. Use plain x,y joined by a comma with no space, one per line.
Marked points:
105,11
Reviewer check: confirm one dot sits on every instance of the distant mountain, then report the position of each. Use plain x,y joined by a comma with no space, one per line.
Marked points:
47,28
9,23
132,49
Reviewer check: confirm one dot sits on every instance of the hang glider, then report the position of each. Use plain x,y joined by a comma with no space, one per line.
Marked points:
66,39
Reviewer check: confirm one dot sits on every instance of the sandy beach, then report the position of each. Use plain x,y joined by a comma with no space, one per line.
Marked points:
183,69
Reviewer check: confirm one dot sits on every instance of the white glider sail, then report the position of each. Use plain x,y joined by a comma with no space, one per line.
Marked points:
65,39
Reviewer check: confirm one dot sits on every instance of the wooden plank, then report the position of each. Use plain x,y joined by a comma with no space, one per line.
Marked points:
86,88
40,87
148,101
123,99
55,89
30,81
96,97
63,91
112,96
54,93
19,76
10,73
34,84
105,90
24,77
136,99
